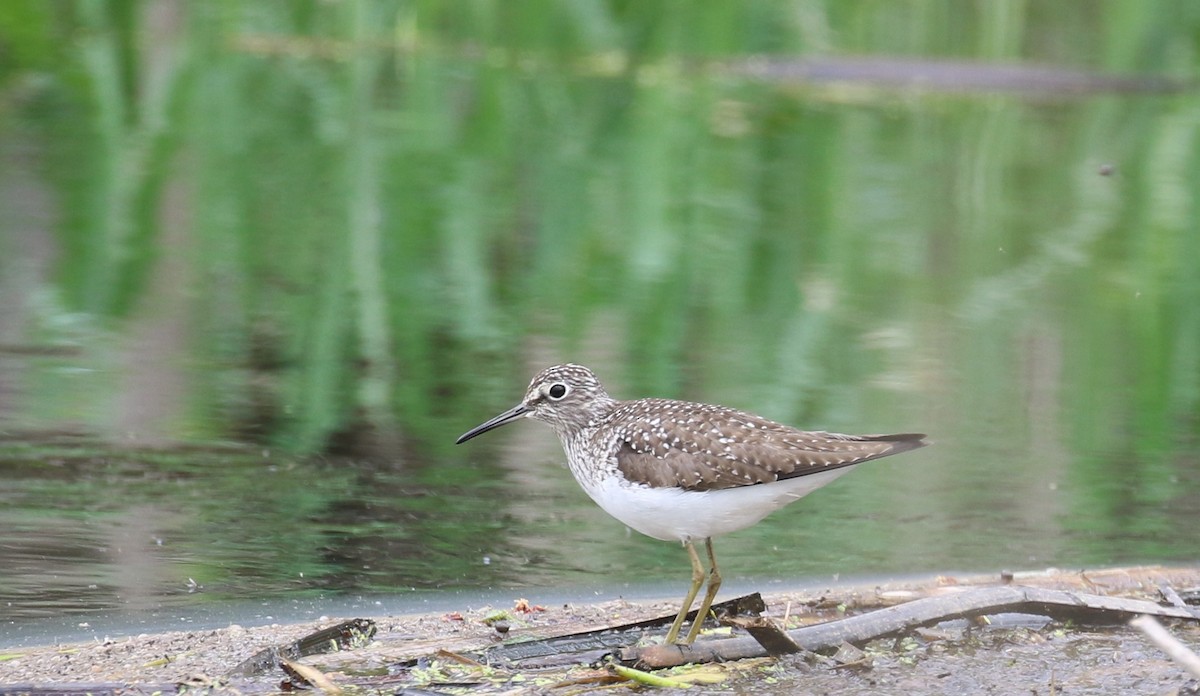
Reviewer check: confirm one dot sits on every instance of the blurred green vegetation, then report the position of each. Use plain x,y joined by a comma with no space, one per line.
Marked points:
371,221
382,200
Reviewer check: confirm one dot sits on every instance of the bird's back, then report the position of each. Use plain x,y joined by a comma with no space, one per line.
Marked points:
668,443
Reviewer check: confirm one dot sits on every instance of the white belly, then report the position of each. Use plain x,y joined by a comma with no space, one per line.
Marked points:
673,514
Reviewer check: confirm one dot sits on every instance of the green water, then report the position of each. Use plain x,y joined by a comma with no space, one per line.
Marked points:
261,264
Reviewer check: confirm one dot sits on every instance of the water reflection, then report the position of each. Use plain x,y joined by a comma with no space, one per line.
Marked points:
90,529
339,234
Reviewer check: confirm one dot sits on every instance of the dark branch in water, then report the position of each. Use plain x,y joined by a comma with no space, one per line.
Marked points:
1063,606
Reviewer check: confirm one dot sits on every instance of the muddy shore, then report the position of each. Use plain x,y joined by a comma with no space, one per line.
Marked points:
1016,658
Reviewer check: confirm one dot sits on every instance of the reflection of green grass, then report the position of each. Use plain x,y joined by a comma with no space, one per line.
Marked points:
241,525
387,211
386,199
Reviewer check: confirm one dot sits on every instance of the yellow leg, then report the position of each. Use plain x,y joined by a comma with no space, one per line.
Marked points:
697,580
714,584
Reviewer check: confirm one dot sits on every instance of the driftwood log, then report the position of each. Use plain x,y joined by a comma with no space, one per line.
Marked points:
891,621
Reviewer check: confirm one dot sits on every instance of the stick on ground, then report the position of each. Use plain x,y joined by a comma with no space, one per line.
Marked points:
897,620
1168,643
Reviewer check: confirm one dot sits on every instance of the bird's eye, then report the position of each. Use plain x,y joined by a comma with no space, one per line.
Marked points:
557,391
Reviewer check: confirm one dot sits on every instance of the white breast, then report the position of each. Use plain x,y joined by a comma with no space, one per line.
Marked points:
673,514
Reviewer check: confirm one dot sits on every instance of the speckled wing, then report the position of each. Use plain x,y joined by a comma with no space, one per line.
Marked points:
700,447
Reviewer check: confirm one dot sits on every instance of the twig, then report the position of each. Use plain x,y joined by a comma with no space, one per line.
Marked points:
900,619
605,639
773,639
310,675
647,678
1168,643
1171,595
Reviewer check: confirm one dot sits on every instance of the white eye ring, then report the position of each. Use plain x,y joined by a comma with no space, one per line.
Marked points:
557,391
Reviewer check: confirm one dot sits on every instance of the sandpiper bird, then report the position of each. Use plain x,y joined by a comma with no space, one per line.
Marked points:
681,471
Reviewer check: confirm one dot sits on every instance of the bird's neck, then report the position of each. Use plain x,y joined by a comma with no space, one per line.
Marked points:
584,424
